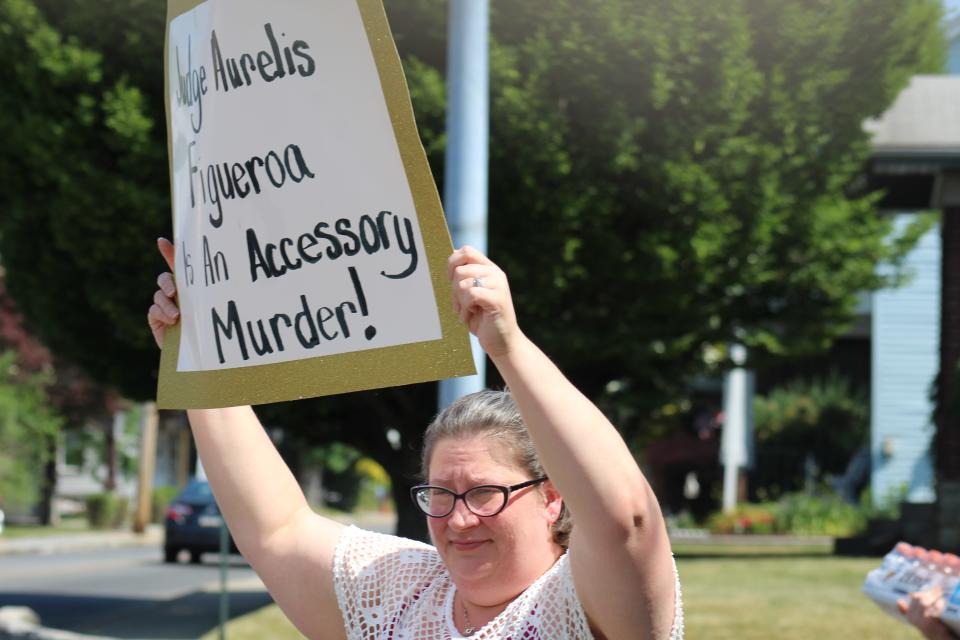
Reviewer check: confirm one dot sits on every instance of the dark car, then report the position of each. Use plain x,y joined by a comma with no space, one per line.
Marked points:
192,523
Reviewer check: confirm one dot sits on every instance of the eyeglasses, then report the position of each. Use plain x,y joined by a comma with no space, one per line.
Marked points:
484,500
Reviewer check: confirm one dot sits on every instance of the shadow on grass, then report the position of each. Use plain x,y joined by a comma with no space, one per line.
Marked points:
188,616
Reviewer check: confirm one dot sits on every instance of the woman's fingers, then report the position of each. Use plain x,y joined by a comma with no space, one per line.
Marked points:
167,284
481,298
164,312
167,250
475,299
159,320
466,255
472,282
167,306
465,276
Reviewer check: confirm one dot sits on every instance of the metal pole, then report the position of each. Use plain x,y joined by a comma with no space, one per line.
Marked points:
465,164
224,591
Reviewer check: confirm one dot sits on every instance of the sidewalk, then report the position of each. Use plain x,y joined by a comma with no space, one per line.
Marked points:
152,537
87,541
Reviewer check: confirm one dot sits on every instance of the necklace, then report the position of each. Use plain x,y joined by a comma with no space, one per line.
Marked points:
469,629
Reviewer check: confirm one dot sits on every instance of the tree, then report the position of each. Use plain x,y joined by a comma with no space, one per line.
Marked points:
27,424
83,172
666,177
702,158
55,396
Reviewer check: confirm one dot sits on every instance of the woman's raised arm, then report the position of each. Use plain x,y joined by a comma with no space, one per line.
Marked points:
619,550
290,547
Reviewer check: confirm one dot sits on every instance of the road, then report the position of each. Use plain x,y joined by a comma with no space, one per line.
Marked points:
127,593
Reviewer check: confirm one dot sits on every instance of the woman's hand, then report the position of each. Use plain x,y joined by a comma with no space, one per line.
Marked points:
481,297
164,312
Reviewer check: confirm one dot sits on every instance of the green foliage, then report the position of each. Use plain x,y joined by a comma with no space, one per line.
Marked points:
826,417
795,514
27,426
669,176
335,457
888,507
801,514
341,480
106,510
83,177
350,479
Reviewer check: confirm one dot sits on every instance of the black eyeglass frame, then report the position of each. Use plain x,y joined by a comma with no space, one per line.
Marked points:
505,490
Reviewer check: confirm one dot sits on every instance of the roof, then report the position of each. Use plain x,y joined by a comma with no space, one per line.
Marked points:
923,122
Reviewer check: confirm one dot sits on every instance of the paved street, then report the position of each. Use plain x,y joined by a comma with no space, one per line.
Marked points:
126,593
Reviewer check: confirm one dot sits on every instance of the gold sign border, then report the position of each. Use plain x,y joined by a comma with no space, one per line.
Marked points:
369,369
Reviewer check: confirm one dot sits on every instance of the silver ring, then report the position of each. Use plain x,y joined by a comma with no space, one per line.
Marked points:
477,282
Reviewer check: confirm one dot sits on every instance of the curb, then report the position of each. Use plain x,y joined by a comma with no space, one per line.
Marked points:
153,536
46,545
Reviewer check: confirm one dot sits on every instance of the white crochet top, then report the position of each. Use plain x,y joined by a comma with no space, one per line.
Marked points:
391,588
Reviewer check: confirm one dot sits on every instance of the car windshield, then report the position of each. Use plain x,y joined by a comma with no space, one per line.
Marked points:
197,491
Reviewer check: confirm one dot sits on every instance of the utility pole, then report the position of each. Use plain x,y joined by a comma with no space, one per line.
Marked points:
465,163
148,463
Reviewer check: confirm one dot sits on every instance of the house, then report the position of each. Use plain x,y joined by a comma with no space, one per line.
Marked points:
914,329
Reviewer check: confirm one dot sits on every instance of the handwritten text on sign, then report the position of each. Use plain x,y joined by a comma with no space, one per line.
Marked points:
296,230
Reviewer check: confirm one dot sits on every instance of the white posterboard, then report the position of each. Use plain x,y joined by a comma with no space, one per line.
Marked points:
310,242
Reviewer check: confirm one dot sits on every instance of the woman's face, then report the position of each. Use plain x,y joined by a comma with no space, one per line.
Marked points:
492,559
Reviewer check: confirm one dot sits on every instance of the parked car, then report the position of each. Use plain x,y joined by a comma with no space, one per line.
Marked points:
192,523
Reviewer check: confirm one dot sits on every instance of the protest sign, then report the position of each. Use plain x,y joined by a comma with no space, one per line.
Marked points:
311,245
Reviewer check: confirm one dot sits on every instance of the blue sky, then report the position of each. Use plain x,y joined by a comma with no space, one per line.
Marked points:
953,6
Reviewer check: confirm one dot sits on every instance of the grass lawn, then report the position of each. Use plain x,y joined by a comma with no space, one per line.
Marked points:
268,622
733,593
783,598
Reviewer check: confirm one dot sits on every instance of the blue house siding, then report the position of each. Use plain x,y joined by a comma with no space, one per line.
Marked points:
905,360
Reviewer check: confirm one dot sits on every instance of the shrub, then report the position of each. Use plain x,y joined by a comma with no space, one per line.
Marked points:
106,510
162,496
795,513
818,515
825,417
746,518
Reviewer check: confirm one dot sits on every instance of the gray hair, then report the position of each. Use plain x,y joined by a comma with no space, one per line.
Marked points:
492,414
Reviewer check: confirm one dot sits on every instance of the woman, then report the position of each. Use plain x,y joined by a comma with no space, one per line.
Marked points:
498,568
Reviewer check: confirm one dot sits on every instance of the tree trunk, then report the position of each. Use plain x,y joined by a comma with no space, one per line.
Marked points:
111,427
411,523
409,410
47,513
